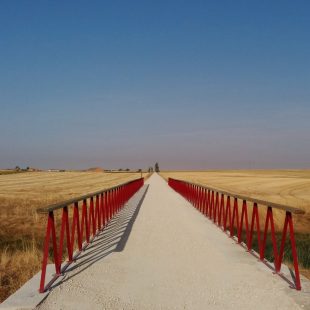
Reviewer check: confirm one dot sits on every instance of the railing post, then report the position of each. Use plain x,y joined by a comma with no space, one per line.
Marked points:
64,228
255,216
45,251
227,213
289,222
244,215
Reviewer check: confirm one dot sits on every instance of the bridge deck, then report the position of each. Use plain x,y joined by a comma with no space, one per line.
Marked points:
163,254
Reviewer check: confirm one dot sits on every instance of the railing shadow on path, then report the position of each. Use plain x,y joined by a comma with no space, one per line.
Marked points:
112,239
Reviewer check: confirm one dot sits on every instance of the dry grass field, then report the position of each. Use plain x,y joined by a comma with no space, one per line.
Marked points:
7,171
22,230
288,187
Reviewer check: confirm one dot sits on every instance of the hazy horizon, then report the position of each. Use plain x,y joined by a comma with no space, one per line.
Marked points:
200,85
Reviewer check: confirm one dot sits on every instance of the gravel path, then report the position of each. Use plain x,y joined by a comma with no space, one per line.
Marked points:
166,255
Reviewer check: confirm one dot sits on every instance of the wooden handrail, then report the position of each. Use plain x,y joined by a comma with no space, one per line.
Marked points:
60,205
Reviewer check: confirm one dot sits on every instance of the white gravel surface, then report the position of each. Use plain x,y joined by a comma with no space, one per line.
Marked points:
170,257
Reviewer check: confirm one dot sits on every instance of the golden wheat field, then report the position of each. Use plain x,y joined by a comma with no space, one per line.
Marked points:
22,229
288,187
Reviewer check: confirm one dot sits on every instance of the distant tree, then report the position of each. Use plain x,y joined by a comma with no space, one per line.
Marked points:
17,168
127,169
140,170
150,169
156,167
28,168
120,169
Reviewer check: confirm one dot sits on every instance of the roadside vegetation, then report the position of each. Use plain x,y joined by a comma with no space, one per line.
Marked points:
10,171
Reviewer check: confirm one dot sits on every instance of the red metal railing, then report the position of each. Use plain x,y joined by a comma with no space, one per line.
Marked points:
96,209
222,208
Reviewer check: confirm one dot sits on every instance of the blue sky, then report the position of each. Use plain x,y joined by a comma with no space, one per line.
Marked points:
190,84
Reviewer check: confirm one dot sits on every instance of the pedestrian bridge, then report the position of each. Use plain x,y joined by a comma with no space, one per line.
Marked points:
158,252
